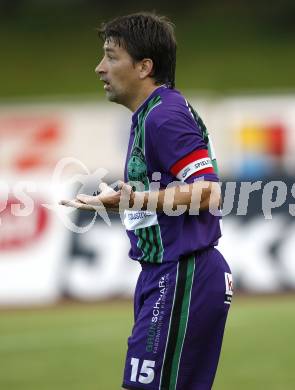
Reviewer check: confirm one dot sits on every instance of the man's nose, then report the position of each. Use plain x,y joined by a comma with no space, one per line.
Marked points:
100,68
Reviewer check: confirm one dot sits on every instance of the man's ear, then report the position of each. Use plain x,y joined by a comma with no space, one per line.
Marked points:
146,68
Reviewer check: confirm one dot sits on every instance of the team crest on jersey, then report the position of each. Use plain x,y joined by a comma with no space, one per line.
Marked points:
136,167
228,288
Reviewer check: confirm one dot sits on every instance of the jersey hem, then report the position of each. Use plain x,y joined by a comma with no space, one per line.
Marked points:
175,260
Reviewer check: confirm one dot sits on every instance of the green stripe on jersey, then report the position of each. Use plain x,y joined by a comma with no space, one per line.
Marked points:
139,138
152,104
149,239
205,135
150,243
178,323
160,252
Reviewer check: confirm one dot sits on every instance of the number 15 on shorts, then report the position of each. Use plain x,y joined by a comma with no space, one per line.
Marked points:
146,373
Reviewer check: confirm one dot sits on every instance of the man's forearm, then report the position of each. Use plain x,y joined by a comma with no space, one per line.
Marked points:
195,197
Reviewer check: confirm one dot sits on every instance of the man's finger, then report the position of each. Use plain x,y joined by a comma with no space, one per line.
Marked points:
83,206
125,189
87,199
76,204
104,187
120,184
64,202
68,202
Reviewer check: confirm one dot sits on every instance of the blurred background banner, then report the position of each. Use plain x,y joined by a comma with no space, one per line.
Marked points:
59,134
50,150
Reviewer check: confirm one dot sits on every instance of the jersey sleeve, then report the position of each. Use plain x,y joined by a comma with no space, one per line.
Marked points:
182,150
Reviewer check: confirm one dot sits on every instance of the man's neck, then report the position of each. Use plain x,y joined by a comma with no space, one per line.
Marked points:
141,97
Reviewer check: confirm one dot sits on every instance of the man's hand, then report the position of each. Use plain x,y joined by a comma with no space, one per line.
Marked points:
108,198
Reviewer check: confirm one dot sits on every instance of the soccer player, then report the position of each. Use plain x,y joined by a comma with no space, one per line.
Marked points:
184,290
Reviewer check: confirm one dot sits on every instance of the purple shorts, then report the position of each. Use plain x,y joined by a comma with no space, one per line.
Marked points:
180,312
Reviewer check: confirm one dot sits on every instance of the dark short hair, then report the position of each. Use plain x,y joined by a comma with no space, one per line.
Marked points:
146,35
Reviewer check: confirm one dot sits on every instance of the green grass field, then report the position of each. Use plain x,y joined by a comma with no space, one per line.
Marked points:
82,347
52,50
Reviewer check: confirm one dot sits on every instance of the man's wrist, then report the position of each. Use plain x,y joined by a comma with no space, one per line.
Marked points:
139,199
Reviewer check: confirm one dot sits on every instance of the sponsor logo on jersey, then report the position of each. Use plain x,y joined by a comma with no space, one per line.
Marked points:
228,287
139,219
157,316
136,167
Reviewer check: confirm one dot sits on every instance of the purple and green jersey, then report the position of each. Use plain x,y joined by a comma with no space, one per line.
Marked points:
185,288
169,143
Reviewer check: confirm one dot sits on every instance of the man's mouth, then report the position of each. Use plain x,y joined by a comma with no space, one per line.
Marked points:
107,85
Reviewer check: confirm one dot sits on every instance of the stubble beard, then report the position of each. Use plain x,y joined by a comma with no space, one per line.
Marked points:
112,96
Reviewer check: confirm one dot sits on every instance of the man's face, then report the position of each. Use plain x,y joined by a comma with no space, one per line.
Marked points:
118,72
